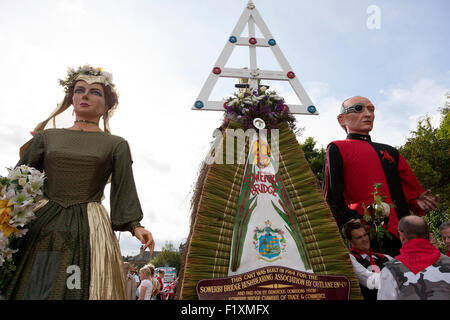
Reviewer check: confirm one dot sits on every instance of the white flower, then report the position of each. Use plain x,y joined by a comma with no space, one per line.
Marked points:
21,233
263,89
22,182
5,252
22,199
8,193
3,241
275,97
3,192
24,169
384,208
35,172
14,174
9,253
233,102
21,216
107,75
35,184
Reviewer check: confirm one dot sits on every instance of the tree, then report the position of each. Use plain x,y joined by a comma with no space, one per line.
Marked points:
314,156
428,154
168,256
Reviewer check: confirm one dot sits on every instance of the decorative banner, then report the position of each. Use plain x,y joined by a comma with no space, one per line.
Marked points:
266,228
275,283
219,203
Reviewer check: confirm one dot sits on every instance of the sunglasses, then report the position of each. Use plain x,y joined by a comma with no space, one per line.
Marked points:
357,107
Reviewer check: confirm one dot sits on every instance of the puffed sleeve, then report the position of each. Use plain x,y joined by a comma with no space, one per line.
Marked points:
126,209
34,154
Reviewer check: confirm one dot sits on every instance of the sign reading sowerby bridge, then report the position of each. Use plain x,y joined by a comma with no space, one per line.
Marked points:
275,283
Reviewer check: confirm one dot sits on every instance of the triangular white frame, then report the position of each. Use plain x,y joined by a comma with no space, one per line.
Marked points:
251,16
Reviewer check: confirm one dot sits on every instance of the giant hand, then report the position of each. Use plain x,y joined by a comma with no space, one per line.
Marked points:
146,238
427,201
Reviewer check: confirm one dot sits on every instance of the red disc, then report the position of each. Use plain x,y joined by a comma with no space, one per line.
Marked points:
252,40
285,107
225,105
290,75
217,70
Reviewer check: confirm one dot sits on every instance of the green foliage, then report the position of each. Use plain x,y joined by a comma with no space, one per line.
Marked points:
375,214
443,132
428,156
168,256
435,219
314,156
427,152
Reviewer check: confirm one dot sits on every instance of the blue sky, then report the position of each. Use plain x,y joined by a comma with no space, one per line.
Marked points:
161,52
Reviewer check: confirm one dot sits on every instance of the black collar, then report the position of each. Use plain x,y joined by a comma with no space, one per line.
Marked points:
357,136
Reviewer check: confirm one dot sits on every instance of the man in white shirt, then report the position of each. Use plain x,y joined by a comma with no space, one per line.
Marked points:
366,263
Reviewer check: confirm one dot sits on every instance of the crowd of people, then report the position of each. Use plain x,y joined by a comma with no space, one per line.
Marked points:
144,285
420,272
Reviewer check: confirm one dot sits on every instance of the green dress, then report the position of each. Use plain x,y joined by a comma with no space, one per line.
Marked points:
70,251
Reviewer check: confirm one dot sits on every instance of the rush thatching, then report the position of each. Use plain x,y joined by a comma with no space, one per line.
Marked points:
213,218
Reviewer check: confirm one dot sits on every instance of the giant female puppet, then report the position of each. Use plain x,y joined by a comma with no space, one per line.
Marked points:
72,232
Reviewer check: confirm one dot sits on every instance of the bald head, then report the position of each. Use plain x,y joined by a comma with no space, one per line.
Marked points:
352,100
413,227
359,120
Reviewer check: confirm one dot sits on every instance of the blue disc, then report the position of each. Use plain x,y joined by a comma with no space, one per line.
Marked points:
312,109
272,42
199,104
232,39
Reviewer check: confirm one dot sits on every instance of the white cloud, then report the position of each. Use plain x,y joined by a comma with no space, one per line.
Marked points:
424,95
404,105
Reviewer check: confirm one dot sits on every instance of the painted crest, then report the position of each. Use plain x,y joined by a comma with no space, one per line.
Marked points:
260,154
269,242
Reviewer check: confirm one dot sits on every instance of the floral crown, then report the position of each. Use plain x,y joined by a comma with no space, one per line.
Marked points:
87,73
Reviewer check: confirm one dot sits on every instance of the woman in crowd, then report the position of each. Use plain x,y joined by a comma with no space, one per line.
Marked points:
148,285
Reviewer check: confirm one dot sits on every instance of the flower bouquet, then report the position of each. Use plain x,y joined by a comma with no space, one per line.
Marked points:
244,106
19,191
376,215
